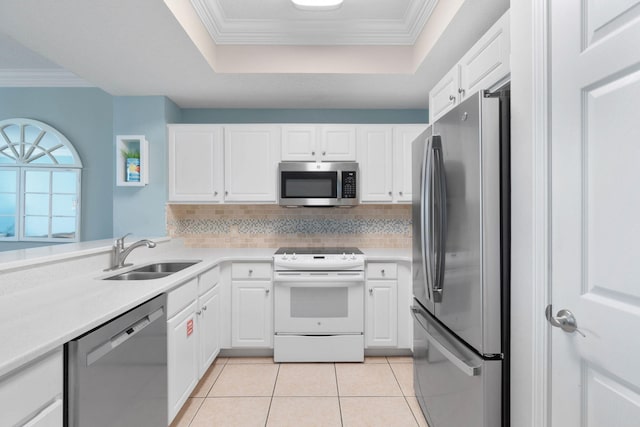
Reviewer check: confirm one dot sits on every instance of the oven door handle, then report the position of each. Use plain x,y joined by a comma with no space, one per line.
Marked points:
319,265
315,281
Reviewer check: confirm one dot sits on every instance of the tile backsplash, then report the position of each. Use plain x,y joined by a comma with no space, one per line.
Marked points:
271,226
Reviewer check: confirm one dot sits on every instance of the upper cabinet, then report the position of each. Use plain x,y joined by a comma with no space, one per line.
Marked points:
384,157
251,156
195,163
318,143
484,65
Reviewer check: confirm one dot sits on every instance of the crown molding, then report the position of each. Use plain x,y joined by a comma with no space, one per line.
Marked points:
226,31
40,77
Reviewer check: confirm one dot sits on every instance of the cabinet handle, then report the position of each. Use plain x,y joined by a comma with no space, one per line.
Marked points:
382,271
313,153
391,193
226,193
266,291
199,312
215,193
204,308
461,91
452,98
324,153
400,193
370,291
250,272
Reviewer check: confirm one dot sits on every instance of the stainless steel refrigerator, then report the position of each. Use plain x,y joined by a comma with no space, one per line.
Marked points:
461,236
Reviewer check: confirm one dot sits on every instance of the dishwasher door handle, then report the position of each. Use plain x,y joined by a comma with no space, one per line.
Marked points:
121,337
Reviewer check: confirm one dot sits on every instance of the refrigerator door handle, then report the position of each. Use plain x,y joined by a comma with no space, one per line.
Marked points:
440,239
425,216
469,370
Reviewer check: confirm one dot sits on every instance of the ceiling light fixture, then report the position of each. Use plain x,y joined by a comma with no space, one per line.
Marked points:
317,4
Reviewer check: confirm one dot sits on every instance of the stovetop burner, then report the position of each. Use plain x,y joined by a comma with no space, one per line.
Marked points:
319,251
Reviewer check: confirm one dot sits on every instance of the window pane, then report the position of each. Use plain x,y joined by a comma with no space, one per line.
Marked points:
36,226
63,228
63,205
7,160
64,182
44,160
63,156
8,181
8,204
7,226
36,204
12,132
37,182
31,133
49,141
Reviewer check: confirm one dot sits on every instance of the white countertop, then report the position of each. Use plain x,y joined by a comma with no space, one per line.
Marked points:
40,318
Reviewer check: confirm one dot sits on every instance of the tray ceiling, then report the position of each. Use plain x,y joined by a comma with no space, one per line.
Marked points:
278,22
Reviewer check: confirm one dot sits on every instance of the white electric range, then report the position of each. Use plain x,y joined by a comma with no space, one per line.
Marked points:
319,305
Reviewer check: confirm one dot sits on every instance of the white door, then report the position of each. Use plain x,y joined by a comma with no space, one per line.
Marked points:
252,314
182,358
375,158
338,143
382,313
595,155
209,328
403,136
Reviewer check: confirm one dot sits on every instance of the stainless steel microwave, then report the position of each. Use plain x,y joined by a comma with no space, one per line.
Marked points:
318,184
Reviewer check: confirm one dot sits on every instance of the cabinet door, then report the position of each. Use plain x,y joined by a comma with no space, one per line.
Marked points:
382,313
338,143
487,62
403,136
299,143
251,157
444,96
182,357
209,328
252,314
195,163
375,158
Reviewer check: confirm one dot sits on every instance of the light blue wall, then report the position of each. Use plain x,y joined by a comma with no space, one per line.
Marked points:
141,210
85,117
210,115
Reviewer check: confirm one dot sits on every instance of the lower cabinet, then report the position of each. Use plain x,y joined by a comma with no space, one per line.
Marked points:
32,396
252,314
193,329
381,305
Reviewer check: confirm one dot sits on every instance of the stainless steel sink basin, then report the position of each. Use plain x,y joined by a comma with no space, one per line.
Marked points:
166,267
153,271
138,275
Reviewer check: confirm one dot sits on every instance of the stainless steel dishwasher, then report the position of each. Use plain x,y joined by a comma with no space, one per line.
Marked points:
117,373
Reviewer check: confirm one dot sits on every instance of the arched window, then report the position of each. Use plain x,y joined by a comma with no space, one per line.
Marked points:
40,175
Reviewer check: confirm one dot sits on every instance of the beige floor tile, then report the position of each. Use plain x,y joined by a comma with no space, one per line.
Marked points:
400,359
376,412
208,379
417,412
375,359
404,374
304,411
372,379
249,360
232,412
188,411
306,379
245,380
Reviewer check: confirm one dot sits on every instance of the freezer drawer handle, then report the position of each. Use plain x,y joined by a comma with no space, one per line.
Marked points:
472,371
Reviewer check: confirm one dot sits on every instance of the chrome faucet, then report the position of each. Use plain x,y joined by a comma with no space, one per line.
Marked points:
119,253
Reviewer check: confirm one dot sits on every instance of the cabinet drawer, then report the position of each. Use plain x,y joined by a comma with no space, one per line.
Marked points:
208,280
181,297
382,270
251,270
28,391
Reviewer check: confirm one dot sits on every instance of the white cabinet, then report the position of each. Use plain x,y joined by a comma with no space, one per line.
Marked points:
32,396
195,163
375,151
384,157
182,345
403,136
209,328
193,331
251,156
484,65
321,143
251,305
381,306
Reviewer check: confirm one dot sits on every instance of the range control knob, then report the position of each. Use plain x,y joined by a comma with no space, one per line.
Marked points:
353,256
284,256
344,255
294,257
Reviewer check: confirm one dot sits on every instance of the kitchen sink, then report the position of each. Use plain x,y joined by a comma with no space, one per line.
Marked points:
153,271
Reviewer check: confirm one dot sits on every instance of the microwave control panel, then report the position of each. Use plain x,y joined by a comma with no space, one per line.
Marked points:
349,185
